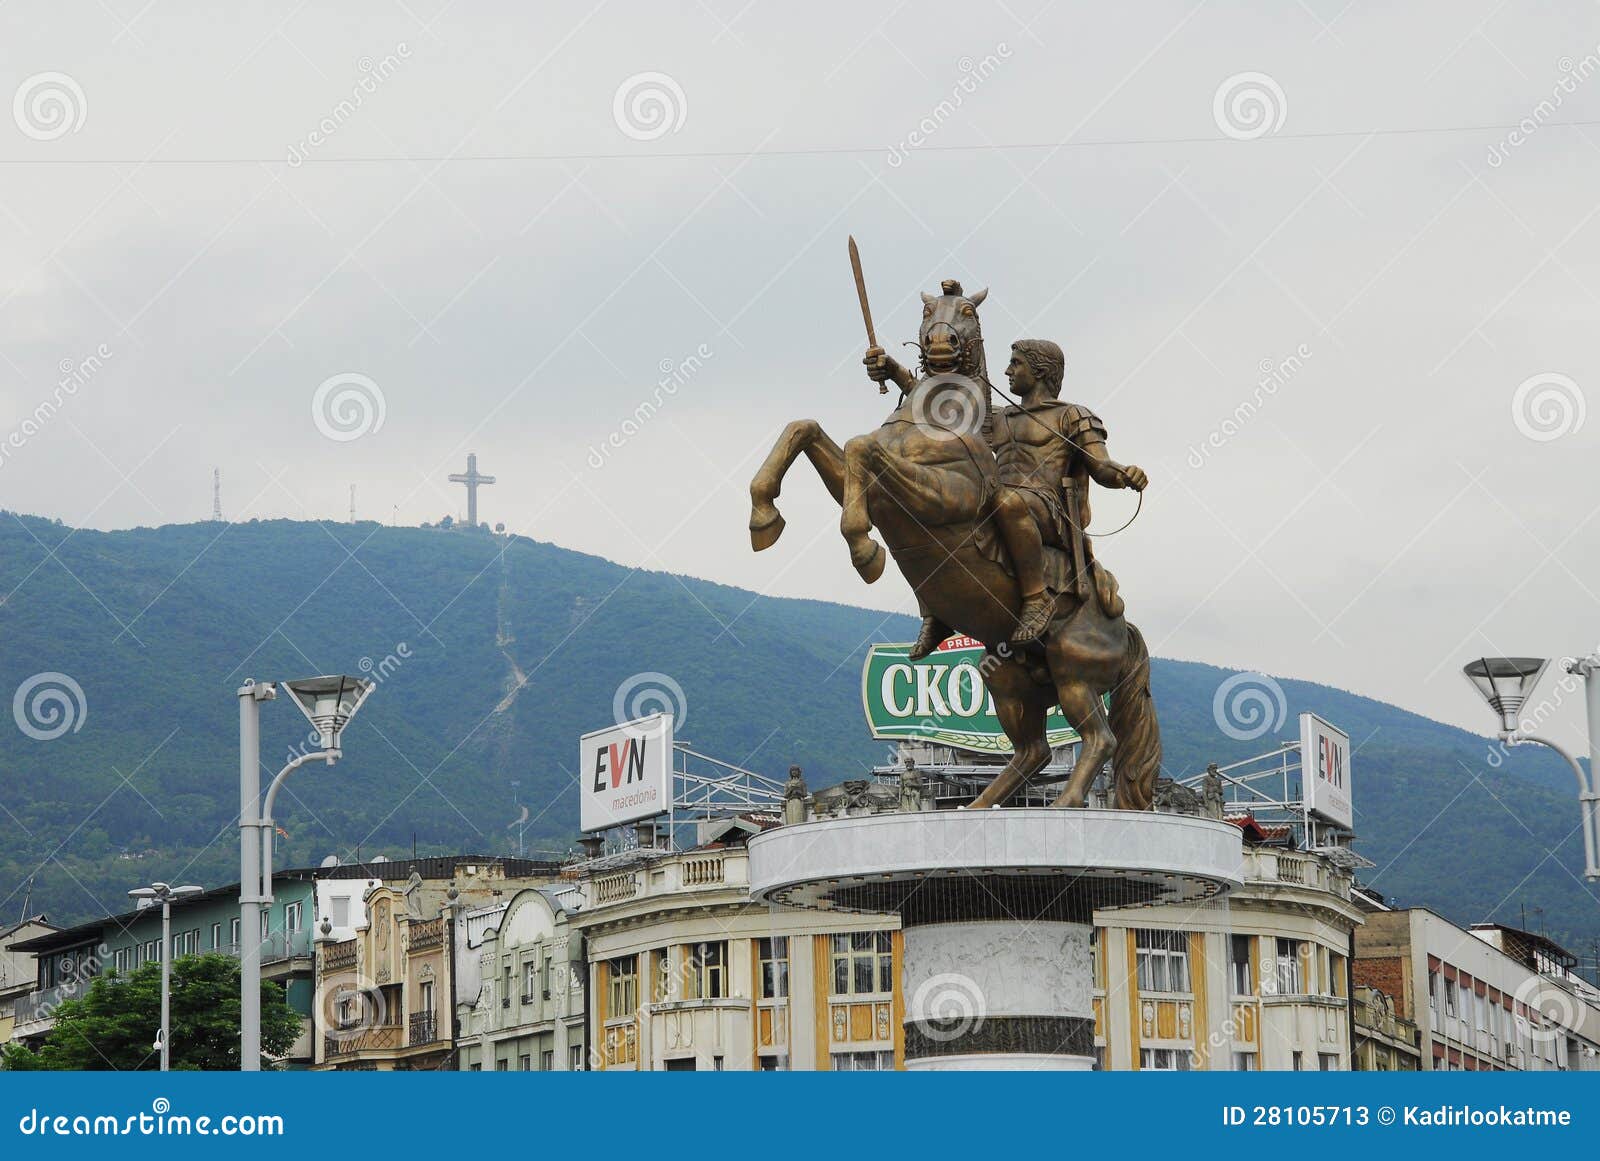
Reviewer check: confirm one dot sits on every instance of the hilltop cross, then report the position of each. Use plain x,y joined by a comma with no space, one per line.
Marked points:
471,478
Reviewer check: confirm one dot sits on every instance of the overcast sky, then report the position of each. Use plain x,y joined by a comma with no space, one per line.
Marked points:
506,237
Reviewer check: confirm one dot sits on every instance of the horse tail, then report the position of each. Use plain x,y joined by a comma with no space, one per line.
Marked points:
1133,721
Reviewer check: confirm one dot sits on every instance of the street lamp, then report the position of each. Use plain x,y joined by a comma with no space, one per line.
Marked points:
328,703
1506,683
160,892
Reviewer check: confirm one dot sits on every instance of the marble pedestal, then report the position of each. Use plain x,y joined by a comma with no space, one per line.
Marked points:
997,907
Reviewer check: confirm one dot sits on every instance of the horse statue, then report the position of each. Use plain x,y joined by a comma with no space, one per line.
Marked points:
929,482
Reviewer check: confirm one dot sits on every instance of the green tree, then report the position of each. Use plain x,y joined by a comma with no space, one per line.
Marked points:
113,1026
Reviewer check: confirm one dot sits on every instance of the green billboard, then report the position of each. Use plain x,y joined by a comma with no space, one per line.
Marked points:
940,699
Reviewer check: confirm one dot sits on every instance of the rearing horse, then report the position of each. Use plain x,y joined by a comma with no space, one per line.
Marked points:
925,480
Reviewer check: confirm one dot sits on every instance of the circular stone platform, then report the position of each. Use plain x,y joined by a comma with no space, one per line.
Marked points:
997,908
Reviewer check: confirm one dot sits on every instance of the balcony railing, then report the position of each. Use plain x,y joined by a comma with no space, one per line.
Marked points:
339,955
428,934
613,888
37,1006
384,1037
422,1029
702,871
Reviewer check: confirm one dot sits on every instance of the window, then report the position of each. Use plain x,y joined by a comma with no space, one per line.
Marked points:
216,936
575,1057
123,960
525,1062
1338,972
1291,974
1244,1062
622,986
425,996
705,974
339,910
152,951
233,932
266,914
547,1060
1163,960
502,1066
530,980
1450,994
773,1063
773,955
1239,965
661,988
863,963
863,1061
505,987
1299,1061
1164,1059
1328,1061
474,1067
292,916
1097,962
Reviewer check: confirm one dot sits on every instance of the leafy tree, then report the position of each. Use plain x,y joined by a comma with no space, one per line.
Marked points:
113,1026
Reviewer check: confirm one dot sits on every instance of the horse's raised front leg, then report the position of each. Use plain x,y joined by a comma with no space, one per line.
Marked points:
860,458
803,435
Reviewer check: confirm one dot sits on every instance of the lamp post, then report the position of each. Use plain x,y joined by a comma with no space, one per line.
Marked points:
162,893
328,703
1505,683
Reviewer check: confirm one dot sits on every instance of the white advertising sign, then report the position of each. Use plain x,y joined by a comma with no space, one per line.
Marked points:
625,772
1325,770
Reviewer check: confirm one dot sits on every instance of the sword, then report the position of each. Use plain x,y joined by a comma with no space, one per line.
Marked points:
866,309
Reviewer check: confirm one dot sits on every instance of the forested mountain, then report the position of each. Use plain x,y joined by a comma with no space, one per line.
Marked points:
495,654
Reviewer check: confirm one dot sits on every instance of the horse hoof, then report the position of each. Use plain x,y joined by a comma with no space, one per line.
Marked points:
765,530
872,567
1069,801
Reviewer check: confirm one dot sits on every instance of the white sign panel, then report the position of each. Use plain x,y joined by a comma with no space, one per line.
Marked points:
625,772
1325,770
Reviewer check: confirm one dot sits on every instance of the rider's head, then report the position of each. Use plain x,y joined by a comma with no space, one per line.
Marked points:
1044,360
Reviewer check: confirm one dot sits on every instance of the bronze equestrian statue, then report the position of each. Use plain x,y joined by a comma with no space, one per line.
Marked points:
984,515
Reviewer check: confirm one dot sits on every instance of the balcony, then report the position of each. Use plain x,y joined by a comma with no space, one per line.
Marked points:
339,955
383,1038
422,1029
427,934
671,875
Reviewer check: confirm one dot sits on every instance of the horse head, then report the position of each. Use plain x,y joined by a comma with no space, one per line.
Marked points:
951,337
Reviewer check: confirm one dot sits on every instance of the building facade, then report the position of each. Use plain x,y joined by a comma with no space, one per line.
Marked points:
387,997
18,969
522,984
1490,999
686,973
1259,981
